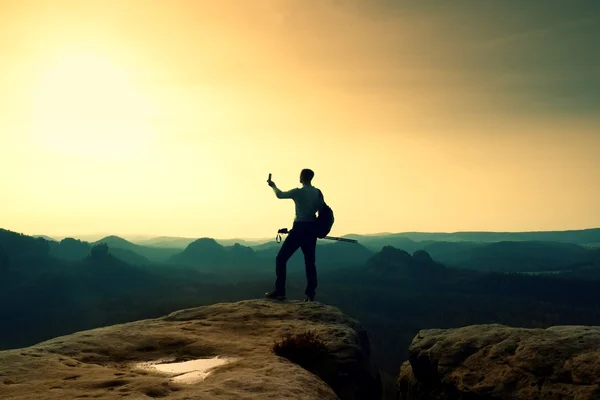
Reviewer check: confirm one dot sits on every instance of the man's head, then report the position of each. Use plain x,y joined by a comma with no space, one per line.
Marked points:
306,176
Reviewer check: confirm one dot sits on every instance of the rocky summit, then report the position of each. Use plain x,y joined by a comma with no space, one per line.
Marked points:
499,362
106,363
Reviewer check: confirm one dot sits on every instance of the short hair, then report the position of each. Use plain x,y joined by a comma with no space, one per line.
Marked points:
307,174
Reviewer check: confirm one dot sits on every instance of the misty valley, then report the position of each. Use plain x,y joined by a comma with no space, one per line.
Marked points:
394,284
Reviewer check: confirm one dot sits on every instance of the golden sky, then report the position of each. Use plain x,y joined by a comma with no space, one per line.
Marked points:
165,117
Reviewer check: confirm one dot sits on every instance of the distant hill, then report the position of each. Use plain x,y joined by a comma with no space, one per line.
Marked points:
130,257
451,253
75,250
166,241
116,241
581,237
378,242
267,245
204,252
341,255
207,253
243,242
504,256
154,254
182,243
17,250
523,256
86,238
70,249
48,238
398,263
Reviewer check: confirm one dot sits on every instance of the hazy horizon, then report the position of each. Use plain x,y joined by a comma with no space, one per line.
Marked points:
143,237
166,117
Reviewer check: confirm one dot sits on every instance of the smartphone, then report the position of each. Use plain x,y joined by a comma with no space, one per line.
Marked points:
269,178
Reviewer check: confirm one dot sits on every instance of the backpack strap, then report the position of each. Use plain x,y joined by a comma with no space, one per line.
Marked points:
322,200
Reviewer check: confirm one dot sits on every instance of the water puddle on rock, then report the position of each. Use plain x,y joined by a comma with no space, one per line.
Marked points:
185,372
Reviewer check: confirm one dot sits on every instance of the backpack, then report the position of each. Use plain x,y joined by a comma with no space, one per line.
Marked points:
324,219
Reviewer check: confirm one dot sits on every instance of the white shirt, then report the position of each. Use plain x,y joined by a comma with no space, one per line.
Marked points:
307,200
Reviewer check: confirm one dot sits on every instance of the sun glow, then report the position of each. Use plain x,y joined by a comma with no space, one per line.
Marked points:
85,105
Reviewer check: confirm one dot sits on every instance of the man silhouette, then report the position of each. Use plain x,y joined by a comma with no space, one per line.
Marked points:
308,200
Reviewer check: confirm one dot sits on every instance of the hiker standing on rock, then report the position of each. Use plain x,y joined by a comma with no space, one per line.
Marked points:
308,200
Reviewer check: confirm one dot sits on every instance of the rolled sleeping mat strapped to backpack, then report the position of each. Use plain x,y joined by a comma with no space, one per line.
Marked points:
284,231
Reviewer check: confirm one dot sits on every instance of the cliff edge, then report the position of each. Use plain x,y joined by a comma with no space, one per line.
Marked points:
158,358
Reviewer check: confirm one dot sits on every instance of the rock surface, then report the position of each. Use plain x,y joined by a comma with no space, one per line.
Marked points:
100,363
499,362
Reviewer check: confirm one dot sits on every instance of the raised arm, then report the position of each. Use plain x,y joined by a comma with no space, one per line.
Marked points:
280,194
284,195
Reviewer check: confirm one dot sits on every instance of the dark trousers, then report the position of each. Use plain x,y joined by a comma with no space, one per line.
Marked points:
301,236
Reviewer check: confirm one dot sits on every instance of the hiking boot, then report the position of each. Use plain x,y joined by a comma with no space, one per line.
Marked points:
309,298
275,295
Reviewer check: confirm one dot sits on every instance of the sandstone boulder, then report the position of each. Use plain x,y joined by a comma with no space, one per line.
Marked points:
499,362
